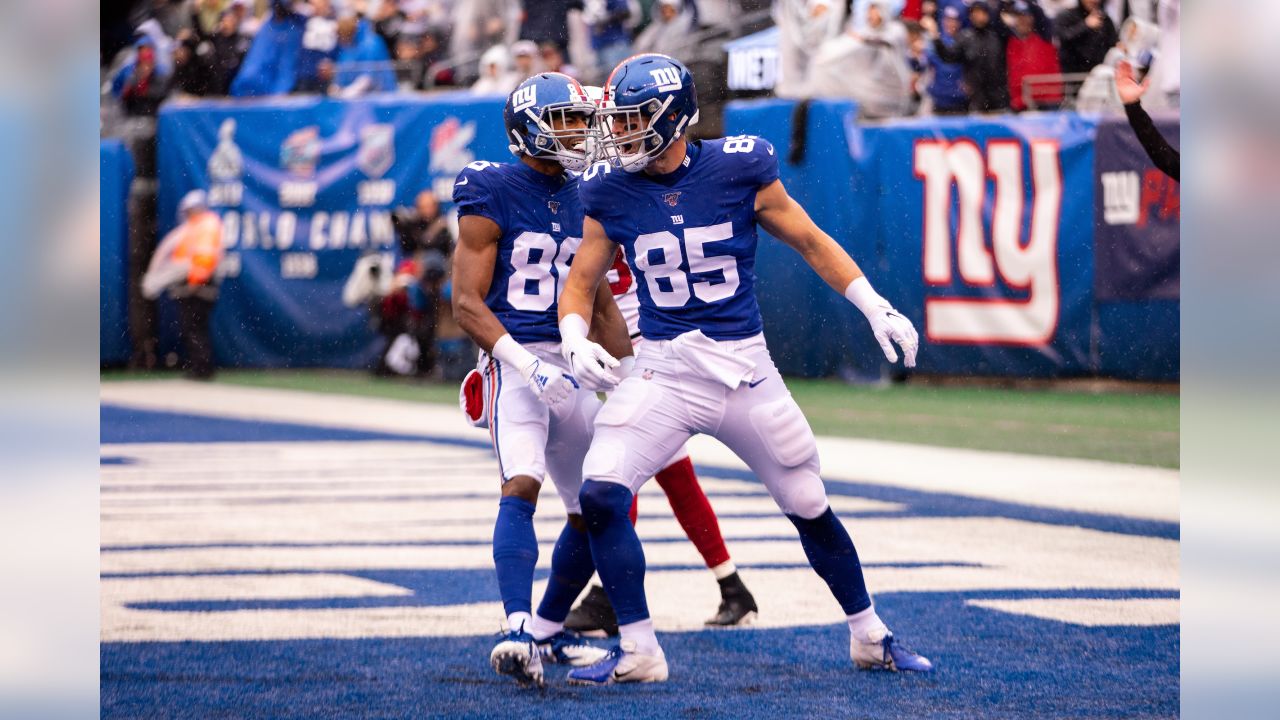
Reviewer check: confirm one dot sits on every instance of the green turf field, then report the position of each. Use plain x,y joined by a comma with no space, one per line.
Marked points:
1115,426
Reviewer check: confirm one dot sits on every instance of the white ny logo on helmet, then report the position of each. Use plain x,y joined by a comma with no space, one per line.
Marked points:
668,79
524,98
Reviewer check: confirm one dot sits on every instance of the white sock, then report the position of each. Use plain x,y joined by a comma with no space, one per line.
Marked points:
724,569
862,624
641,633
519,620
542,628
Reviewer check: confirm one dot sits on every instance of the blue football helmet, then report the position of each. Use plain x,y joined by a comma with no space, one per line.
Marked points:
649,103
550,116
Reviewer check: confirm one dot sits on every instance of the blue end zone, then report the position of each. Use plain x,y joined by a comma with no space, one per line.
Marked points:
131,425
990,665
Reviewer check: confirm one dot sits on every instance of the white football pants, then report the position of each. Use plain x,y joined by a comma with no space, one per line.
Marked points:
528,437
665,401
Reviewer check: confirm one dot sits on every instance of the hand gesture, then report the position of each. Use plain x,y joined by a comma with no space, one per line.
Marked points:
1128,88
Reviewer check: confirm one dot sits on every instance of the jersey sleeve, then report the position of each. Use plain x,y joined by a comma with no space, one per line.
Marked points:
762,161
591,190
751,159
473,195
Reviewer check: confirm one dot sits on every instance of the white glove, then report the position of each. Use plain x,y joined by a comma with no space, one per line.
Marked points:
887,324
590,363
551,384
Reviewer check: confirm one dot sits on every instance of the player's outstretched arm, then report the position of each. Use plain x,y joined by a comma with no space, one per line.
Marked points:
588,360
782,217
473,264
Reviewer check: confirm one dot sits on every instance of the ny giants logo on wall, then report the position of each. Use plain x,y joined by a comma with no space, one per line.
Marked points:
1007,292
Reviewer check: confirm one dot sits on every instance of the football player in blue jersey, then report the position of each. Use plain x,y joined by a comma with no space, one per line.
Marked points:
685,214
519,226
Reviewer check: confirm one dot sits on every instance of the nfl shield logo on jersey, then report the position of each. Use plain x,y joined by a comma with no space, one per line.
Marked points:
671,198
554,205
377,149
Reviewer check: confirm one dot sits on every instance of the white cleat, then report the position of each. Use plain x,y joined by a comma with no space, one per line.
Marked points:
881,652
622,664
517,655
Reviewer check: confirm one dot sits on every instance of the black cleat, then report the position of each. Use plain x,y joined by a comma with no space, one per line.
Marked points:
594,616
737,606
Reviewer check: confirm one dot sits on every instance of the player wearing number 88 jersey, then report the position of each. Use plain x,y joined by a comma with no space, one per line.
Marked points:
519,227
687,225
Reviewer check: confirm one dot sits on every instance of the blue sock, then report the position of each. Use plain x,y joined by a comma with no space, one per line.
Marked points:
515,553
616,548
833,557
571,570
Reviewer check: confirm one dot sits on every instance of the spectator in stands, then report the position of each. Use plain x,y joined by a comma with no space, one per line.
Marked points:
929,17
553,60
980,49
1030,54
670,31
1168,67
407,49
946,88
424,236
524,55
496,77
960,6
170,16
803,26
917,63
547,21
868,63
271,65
316,71
1085,34
207,64
205,16
363,64
185,263
144,88
480,24
610,38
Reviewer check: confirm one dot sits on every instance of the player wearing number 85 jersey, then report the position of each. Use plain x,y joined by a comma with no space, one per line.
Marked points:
519,227
685,215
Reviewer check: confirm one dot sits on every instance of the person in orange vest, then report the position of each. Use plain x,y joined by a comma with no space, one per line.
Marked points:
186,263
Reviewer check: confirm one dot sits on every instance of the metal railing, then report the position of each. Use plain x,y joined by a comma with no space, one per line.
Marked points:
1035,88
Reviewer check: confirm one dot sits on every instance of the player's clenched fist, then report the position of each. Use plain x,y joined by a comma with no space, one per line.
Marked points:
888,325
588,361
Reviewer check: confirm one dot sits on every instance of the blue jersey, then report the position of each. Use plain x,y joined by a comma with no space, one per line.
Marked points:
689,236
541,221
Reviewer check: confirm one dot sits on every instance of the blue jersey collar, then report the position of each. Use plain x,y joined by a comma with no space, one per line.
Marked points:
693,149
551,182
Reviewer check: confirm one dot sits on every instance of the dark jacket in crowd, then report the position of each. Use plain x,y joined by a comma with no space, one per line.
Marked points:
427,239
1079,47
981,52
547,21
984,54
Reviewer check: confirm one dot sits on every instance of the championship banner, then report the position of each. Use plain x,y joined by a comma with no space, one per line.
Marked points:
115,167
985,225
305,187
1136,240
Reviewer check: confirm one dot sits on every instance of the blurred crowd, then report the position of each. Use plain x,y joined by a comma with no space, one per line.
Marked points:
904,57
346,48
896,57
